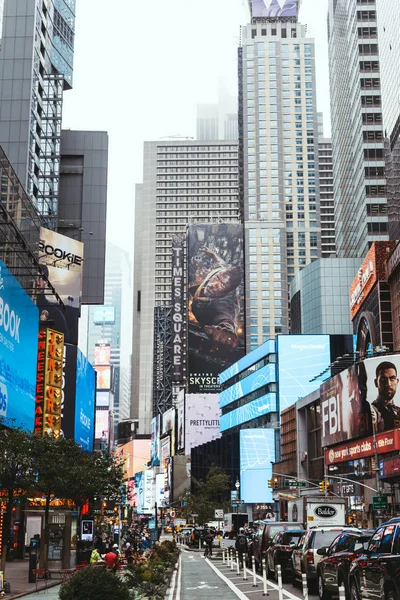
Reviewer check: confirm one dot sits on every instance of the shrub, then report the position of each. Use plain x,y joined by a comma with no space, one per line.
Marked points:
94,584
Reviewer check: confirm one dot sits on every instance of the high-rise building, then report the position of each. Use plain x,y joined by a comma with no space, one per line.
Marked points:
328,247
278,161
357,132
218,121
388,15
36,63
184,182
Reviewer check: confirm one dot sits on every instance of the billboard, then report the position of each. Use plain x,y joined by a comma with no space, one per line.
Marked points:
181,420
19,324
102,354
103,377
303,364
84,402
257,452
104,315
49,383
155,441
362,400
274,8
215,302
251,383
178,321
354,453
102,399
102,425
252,410
202,418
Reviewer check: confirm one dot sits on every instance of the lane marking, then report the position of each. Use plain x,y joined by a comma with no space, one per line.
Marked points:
173,583
178,589
229,583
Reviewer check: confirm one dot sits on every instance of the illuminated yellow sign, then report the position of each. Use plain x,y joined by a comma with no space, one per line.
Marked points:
49,383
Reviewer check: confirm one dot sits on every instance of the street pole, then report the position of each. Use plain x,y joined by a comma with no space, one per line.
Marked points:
156,519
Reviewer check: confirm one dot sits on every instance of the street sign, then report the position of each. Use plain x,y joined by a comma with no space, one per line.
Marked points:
236,502
379,502
219,513
289,483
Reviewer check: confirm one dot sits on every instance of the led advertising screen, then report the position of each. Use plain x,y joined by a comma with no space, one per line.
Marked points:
102,424
202,418
361,400
103,377
155,441
252,410
215,303
250,359
84,402
181,420
102,354
102,399
303,364
104,315
260,378
257,452
19,327
274,8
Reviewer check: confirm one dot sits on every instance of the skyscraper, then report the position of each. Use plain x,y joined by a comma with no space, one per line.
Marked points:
328,247
357,132
184,182
36,63
218,121
278,139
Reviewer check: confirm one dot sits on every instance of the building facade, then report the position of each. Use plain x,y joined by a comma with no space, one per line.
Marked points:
278,138
184,182
328,243
357,130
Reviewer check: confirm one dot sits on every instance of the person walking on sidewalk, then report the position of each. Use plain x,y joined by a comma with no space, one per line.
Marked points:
209,539
241,545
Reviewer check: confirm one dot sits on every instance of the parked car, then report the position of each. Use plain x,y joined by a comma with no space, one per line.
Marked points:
280,552
333,569
305,558
376,574
264,536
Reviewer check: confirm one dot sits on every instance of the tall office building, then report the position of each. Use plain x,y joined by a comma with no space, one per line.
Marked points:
218,121
357,132
184,182
278,141
36,63
328,247
388,14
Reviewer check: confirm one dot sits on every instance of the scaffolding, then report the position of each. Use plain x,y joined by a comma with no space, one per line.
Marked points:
162,367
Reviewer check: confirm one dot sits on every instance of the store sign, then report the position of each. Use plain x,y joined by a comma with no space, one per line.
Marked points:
49,383
346,489
385,443
325,511
178,326
389,467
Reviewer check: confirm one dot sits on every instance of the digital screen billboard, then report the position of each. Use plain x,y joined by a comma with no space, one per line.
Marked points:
84,402
155,441
102,424
19,326
362,400
202,420
257,452
250,359
102,399
102,354
215,303
303,364
103,377
103,315
274,8
255,381
181,420
252,410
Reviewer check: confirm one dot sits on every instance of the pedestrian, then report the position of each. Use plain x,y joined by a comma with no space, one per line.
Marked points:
115,550
129,554
95,556
241,545
111,560
209,539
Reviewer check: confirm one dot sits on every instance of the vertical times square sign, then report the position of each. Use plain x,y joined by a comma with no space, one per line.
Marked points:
178,320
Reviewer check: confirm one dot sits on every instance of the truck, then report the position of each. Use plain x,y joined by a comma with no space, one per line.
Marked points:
314,511
234,521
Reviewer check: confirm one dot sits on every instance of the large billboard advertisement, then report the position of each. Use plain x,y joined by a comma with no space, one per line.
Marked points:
260,378
102,425
202,418
303,364
178,321
102,354
361,400
19,324
215,302
84,402
104,315
49,383
252,410
274,8
181,420
257,452
155,441
103,377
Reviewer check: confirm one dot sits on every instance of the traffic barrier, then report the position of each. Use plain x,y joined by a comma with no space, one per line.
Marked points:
199,543
223,555
237,563
280,587
305,586
253,564
265,581
232,565
244,567
342,592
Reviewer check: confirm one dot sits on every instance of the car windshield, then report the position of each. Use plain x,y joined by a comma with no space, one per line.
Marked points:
324,538
274,529
291,537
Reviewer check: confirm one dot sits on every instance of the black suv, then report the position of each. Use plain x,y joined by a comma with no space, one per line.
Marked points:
376,574
280,552
264,536
333,570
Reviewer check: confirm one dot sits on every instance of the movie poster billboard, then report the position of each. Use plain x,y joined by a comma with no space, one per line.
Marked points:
181,420
274,8
362,400
103,377
215,302
202,420
102,354
178,321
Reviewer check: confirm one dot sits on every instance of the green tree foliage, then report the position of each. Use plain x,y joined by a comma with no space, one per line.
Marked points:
210,494
94,584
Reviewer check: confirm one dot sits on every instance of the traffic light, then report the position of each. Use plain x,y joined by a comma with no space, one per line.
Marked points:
270,483
322,487
276,481
329,488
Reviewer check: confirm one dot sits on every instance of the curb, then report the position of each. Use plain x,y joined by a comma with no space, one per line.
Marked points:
29,592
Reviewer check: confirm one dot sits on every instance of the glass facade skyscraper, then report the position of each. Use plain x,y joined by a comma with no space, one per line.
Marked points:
278,139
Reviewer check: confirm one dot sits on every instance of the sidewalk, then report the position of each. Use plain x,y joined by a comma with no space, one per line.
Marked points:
17,576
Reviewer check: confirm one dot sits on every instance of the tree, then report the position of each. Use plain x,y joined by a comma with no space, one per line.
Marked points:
94,584
16,476
210,494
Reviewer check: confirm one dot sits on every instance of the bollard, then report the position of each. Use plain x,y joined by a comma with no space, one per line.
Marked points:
223,555
305,587
280,589
228,557
199,543
244,567
265,584
232,562
342,592
237,563
253,564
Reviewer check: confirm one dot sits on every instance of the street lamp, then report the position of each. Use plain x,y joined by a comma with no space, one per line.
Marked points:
237,486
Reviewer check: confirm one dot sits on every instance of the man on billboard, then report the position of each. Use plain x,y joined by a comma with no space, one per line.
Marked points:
360,420
385,414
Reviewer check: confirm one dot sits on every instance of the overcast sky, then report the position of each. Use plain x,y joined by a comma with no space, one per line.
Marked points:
141,66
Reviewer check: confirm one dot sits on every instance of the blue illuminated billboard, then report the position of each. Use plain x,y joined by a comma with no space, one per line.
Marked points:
251,383
257,452
250,359
19,327
252,410
84,402
104,315
303,365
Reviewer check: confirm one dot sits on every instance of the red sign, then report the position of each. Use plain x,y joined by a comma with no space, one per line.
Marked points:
390,467
385,442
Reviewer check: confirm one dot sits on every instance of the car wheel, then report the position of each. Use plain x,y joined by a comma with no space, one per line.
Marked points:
354,595
322,593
